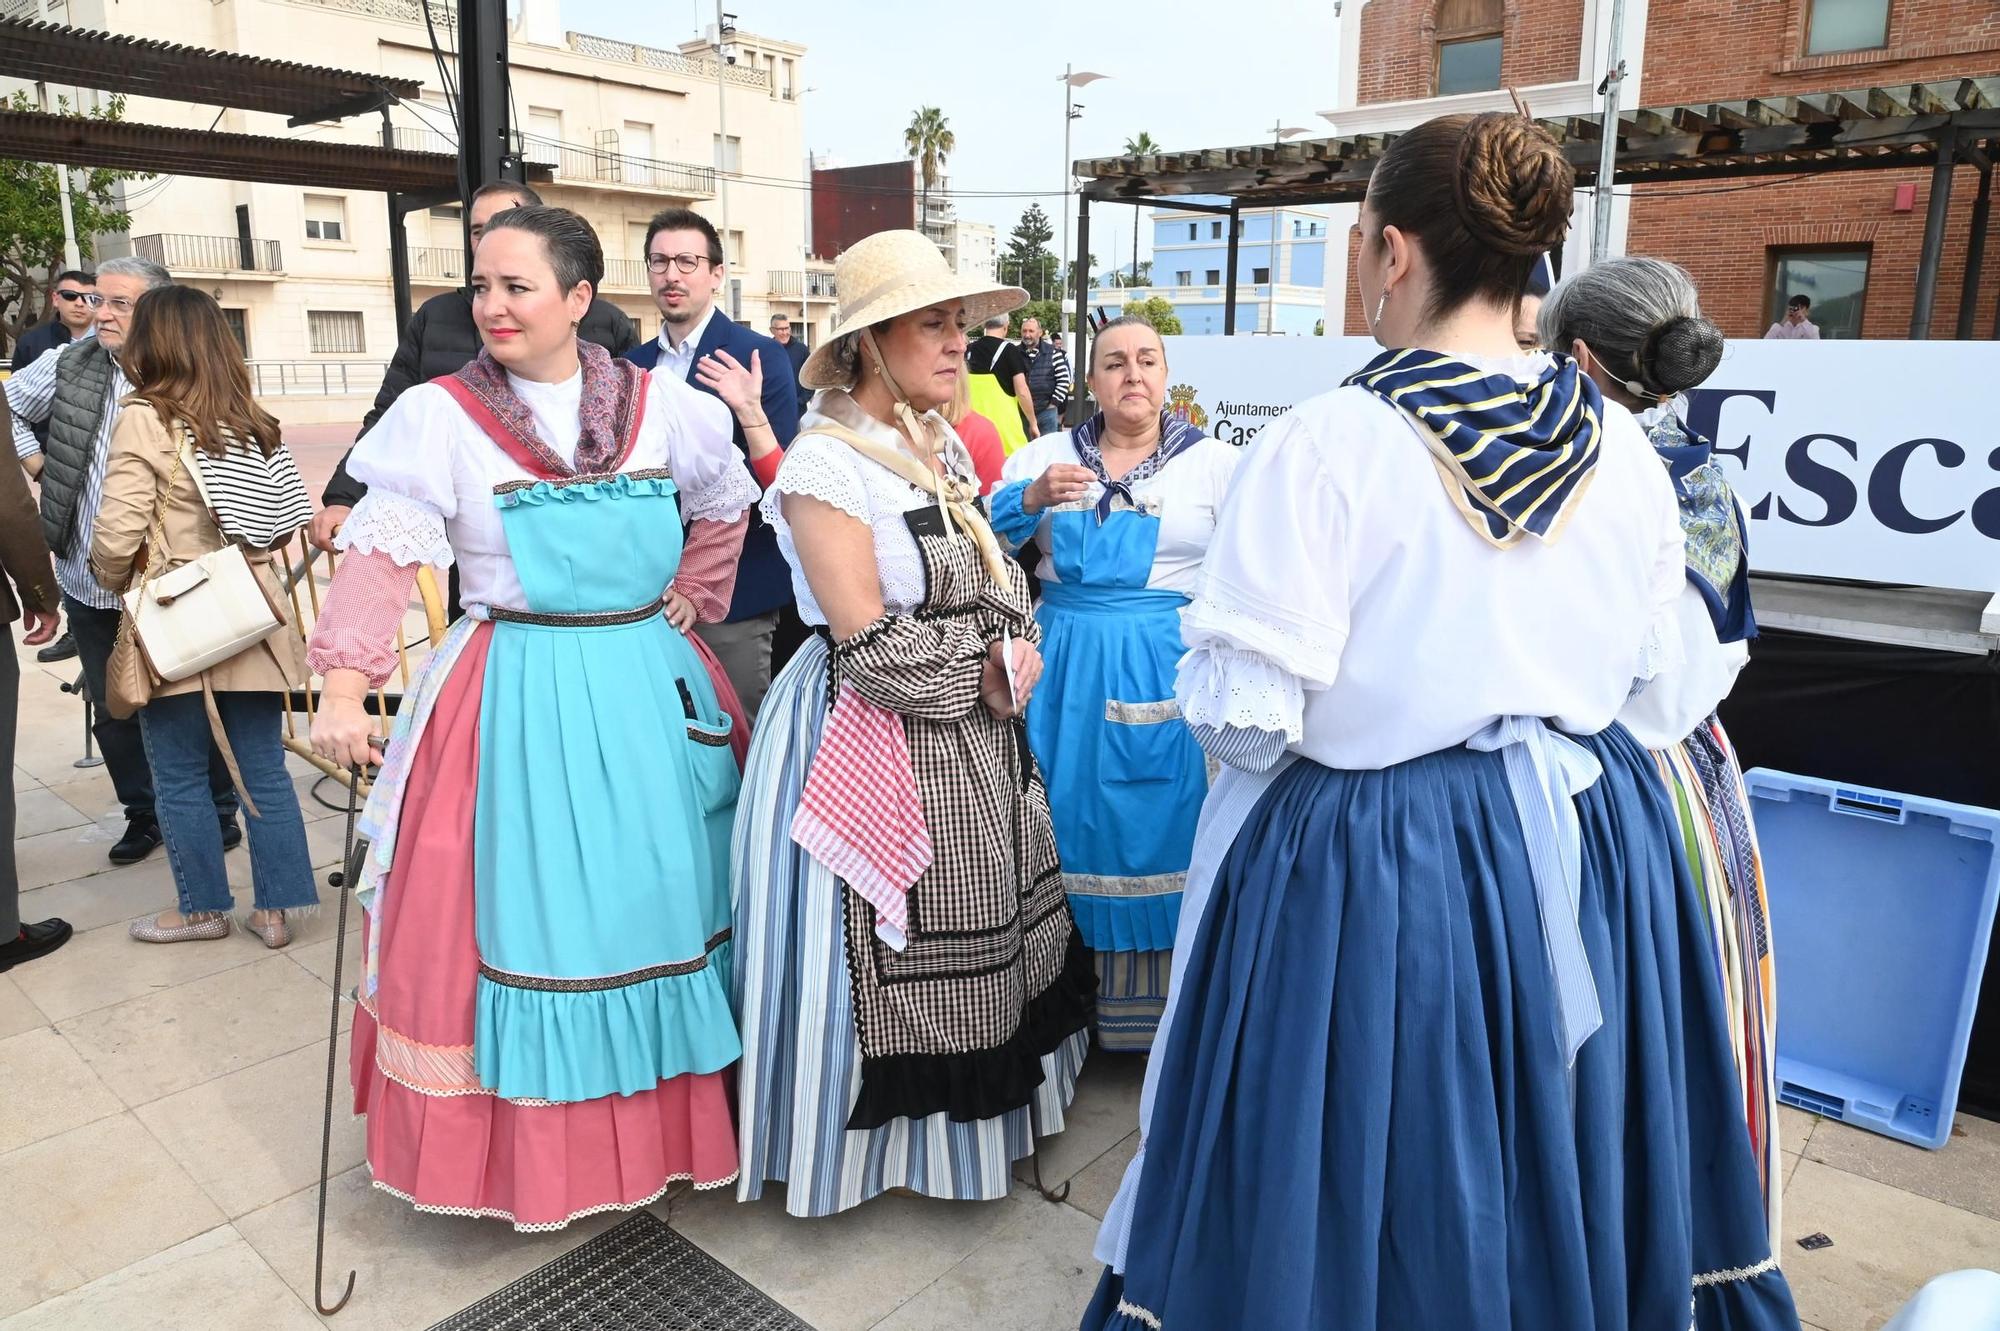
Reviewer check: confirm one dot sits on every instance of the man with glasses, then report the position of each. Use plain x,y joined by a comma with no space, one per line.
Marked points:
797,351
72,307
77,392
443,339
685,266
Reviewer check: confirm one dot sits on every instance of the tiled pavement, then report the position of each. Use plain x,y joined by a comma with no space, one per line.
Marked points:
159,1120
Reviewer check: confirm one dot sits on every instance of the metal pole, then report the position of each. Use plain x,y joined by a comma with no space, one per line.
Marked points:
1081,360
1229,277
399,241
722,127
1605,199
1934,220
72,257
1069,96
1975,252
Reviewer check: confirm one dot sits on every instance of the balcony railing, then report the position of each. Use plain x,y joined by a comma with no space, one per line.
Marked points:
629,274
592,167
424,140
702,67
316,378
807,285
435,263
198,254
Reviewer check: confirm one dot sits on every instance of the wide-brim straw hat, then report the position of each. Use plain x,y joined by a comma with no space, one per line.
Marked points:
892,273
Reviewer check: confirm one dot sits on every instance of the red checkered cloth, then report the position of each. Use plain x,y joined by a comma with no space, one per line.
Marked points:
363,609
860,814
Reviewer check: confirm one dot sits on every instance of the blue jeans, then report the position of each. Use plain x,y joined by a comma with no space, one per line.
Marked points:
1047,421
177,747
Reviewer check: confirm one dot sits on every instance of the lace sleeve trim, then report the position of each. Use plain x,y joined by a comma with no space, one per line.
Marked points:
1310,652
1220,688
407,530
733,493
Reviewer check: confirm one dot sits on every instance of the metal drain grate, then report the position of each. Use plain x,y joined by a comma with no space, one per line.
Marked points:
637,1276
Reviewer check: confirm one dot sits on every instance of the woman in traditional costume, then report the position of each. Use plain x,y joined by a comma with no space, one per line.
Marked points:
914,999
1636,328
1121,510
1444,1048
544,1029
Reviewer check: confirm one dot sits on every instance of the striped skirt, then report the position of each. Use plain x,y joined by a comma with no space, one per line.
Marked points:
801,1058
1706,784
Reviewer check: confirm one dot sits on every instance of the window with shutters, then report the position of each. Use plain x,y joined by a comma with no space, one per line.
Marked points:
1468,45
326,217
335,332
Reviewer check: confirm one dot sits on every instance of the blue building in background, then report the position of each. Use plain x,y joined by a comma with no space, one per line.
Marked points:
1280,269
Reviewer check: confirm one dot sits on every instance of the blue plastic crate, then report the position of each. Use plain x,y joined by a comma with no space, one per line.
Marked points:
1881,910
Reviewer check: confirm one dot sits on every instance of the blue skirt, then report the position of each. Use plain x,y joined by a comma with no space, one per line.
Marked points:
1364,1119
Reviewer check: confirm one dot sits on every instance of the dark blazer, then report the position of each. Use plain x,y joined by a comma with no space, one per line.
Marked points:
763,579
29,347
442,339
798,351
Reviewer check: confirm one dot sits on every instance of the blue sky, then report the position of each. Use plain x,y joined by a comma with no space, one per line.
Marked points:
1193,75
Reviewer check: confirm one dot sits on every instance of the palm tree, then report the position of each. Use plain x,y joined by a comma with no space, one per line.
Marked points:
1138,147
930,141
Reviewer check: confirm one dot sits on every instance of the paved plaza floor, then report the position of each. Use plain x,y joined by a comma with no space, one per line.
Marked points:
160,1115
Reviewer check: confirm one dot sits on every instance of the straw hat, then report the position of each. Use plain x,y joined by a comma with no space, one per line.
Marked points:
892,273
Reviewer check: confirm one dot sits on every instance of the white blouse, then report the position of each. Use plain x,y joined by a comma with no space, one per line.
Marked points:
1347,606
1186,494
1677,700
430,473
831,471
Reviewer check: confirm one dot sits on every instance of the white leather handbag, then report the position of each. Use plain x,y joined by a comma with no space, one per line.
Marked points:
205,611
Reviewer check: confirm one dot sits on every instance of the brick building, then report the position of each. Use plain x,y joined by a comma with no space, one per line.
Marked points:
1849,239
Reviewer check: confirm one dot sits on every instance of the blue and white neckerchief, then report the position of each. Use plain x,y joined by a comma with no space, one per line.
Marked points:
1718,548
1175,435
1516,457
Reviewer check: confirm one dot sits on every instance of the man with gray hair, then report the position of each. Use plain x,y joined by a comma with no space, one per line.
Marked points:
76,392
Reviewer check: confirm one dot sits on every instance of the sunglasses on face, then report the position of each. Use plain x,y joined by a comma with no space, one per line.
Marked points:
687,263
90,298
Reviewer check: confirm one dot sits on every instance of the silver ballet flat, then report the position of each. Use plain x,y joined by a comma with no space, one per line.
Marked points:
275,932
150,931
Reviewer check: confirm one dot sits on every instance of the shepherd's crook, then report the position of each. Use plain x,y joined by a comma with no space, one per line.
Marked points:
338,881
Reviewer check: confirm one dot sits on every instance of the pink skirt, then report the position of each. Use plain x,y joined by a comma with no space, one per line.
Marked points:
436,1137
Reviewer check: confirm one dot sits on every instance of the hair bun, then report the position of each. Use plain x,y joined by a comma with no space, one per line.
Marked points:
1513,184
1679,354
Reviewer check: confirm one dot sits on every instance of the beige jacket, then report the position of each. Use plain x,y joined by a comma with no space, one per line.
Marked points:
142,459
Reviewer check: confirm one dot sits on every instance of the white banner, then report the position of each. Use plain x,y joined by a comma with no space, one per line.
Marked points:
1869,460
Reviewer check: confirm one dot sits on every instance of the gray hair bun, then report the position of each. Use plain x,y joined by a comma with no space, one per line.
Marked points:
1679,354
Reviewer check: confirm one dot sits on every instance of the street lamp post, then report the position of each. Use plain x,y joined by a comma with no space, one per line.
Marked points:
725,28
1072,79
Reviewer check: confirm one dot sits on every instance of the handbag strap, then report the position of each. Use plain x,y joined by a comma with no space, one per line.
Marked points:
156,543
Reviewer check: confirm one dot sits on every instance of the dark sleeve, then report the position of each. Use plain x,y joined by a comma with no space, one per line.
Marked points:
622,338
781,393
26,348
23,552
1009,363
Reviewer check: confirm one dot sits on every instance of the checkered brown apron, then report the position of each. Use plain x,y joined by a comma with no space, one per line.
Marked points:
993,968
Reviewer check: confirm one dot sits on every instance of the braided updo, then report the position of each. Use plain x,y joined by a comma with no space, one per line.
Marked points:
1482,195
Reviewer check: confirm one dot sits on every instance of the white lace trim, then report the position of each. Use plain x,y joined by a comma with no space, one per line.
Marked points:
1735,1273
1309,651
1223,687
830,471
496,1213
1663,650
1138,1314
407,530
734,492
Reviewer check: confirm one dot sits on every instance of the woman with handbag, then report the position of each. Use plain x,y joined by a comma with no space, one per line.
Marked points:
198,490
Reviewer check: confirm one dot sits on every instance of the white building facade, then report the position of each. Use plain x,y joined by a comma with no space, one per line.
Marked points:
627,131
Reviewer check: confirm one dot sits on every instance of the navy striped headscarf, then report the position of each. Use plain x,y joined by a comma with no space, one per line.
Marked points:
1516,457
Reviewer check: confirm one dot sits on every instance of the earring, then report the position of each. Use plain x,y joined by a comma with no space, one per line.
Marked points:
1381,305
